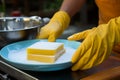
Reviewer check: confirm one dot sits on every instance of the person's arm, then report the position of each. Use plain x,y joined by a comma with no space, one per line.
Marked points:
72,6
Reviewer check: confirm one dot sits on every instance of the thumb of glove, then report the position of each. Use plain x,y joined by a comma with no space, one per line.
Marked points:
80,35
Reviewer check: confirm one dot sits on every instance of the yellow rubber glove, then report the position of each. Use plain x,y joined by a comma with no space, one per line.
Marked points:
97,45
58,23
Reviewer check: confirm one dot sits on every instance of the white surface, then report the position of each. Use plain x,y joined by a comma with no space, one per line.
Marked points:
20,56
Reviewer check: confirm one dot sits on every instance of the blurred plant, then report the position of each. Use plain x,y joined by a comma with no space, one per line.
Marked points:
2,8
51,6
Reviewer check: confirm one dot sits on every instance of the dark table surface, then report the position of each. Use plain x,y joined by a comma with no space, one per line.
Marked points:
67,74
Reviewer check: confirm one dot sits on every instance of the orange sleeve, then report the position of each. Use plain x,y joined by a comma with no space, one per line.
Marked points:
108,9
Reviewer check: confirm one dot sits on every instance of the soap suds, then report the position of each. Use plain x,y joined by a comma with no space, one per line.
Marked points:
20,56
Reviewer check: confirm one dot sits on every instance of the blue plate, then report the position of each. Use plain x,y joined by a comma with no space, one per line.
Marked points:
15,54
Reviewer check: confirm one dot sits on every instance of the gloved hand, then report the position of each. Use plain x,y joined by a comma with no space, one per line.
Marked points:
97,45
58,23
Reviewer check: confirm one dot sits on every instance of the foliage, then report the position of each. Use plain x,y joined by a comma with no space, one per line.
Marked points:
52,5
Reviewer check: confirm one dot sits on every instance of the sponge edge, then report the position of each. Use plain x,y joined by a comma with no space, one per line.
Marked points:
45,58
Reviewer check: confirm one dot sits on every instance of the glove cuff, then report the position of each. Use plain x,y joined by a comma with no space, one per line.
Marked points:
62,18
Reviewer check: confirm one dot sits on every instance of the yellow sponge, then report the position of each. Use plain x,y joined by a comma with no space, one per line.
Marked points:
45,48
45,51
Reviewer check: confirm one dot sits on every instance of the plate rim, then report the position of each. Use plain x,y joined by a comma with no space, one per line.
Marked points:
16,63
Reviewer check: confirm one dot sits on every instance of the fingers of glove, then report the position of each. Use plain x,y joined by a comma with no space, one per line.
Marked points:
93,61
55,33
43,34
102,52
86,54
82,49
91,57
78,36
98,57
81,62
51,31
52,37
81,35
